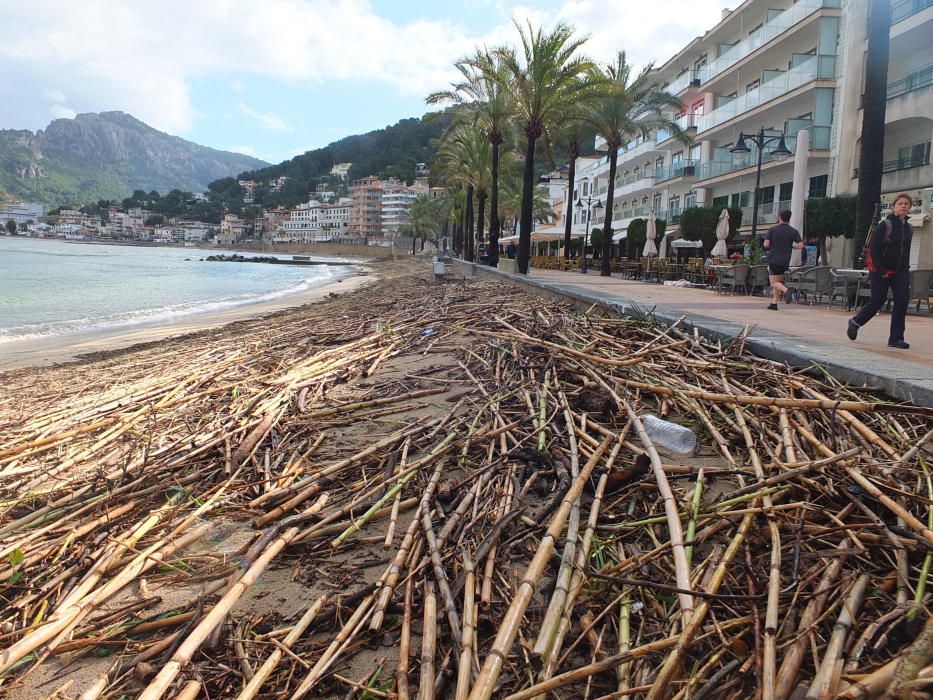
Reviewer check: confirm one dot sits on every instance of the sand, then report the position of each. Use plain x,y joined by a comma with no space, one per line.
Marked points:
40,352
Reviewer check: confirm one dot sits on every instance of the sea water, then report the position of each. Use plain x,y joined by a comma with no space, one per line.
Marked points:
50,287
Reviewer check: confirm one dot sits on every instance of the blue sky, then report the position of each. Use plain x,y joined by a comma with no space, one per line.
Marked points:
276,78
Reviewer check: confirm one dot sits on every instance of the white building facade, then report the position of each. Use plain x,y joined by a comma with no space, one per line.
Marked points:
776,67
21,213
315,222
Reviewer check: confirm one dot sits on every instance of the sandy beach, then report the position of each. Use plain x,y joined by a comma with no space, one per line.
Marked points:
39,352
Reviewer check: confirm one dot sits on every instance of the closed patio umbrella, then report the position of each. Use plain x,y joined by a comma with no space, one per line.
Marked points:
721,250
650,248
662,249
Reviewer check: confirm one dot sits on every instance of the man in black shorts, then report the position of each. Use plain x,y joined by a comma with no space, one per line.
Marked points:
780,242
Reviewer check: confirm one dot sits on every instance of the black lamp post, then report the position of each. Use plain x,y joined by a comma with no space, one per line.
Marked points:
590,203
780,152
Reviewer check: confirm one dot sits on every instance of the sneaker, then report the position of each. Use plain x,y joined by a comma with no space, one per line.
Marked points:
852,329
900,344
772,307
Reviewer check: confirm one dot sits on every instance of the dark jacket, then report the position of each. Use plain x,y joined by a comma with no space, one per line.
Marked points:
890,252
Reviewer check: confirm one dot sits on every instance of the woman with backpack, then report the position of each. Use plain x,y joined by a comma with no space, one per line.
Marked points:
888,262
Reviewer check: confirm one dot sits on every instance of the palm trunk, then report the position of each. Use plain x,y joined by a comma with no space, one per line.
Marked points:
468,243
568,208
873,111
494,222
605,268
528,188
481,214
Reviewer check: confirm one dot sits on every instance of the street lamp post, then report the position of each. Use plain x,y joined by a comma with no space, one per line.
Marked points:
780,152
590,203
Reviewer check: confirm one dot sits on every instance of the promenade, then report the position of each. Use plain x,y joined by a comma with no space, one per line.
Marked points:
798,334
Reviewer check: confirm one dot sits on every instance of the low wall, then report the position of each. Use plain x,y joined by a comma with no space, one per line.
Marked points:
357,251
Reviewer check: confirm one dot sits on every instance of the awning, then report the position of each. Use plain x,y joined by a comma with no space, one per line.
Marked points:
686,243
619,236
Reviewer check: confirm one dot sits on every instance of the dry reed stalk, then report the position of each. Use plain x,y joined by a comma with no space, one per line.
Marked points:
182,657
468,638
252,688
428,644
492,666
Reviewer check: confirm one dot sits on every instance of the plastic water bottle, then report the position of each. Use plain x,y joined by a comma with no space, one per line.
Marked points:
670,436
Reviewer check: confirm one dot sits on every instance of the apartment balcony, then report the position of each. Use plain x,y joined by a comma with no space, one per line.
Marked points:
684,168
767,213
910,97
913,172
689,78
785,21
782,83
908,8
686,122
634,182
729,163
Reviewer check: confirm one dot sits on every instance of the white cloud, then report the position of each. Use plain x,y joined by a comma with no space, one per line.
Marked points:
53,95
62,112
269,121
146,57
245,150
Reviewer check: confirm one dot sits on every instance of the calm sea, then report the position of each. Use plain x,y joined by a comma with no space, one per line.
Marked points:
51,287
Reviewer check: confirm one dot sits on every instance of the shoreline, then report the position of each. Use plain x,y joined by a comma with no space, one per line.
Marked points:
74,347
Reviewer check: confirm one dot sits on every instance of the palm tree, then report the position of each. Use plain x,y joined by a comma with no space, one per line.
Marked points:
423,219
482,97
873,114
465,157
571,135
546,78
628,107
511,199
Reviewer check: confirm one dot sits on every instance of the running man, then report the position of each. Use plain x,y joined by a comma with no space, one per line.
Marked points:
780,242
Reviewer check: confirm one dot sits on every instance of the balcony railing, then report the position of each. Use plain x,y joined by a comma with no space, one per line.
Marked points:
907,8
913,81
768,31
683,168
781,84
893,166
683,81
684,121
767,212
730,163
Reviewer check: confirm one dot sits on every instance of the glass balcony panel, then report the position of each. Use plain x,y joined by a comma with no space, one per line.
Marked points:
907,8
777,26
826,67
781,85
912,81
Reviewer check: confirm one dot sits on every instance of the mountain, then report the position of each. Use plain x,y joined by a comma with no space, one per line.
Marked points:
106,156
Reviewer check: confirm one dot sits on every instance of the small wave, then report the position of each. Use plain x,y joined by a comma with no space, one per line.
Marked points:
157,316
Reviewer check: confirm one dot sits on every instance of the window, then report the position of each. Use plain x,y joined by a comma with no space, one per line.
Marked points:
677,158
818,186
752,85
721,201
698,108
659,163
690,200
656,204
914,155
586,188
754,29
786,191
700,62
673,204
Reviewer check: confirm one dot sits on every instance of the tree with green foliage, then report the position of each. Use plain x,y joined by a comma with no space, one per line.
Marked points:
544,77
154,220
637,234
481,96
465,157
11,227
699,224
828,217
629,105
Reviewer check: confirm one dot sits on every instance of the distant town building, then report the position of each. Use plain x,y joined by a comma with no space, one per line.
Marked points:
397,199
249,190
77,218
341,170
276,184
315,222
421,170
366,212
232,229
21,213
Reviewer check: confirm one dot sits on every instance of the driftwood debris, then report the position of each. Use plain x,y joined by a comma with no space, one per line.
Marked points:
447,491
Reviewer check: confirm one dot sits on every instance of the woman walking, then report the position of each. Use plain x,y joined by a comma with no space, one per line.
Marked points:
888,262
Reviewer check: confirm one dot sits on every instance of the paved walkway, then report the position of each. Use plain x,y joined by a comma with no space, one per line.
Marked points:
797,334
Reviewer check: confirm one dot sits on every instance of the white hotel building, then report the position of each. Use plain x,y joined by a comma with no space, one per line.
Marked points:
314,222
788,66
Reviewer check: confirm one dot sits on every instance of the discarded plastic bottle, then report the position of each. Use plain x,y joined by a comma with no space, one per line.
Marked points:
670,436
